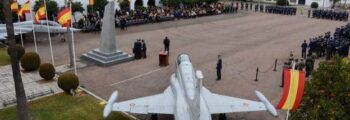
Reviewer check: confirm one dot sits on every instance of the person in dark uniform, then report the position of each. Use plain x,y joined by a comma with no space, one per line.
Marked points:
144,49
138,49
218,68
134,49
303,49
166,43
308,65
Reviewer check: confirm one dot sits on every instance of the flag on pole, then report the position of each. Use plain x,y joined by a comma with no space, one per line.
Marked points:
64,17
25,9
14,6
294,81
40,14
91,2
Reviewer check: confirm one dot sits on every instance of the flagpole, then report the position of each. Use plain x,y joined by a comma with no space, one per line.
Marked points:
48,30
31,15
73,46
20,29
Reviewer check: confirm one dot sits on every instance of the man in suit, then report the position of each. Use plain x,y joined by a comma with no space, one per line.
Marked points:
218,68
166,43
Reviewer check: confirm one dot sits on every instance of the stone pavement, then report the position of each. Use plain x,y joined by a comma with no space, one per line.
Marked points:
245,41
33,84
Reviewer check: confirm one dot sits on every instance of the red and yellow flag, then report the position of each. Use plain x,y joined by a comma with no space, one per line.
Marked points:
25,9
293,90
64,17
40,14
14,6
91,2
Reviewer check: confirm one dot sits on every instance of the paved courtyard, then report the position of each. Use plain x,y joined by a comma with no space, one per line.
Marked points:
245,41
33,84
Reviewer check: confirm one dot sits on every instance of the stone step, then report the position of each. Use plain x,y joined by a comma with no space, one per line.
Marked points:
104,58
97,51
108,62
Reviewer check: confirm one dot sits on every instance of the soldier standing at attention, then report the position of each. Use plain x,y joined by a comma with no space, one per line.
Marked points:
166,43
218,68
144,49
303,49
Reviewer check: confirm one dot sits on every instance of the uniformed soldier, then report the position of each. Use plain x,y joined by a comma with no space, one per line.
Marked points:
218,68
303,49
308,65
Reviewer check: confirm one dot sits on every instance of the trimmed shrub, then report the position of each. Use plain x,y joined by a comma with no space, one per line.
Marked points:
30,61
68,81
282,2
47,71
20,50
314,5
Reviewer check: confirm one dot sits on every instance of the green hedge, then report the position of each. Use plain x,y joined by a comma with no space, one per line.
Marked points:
47,71
30,61
20,50
68,81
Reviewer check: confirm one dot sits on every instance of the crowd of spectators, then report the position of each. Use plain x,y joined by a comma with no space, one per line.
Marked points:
153,14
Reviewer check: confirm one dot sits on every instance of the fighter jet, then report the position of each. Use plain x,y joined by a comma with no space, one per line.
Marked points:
187,99
40,27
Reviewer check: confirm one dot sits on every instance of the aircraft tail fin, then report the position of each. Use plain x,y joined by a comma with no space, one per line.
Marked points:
270,108
109,106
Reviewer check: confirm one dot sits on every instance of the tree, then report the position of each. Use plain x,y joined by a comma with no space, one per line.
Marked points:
282,2
77,7
2,15
98,6
326,95
124,4
173,3
334,2
52,8
22,108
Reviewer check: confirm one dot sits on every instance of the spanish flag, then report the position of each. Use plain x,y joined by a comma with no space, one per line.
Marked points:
64,17
294,81
25,9
14,6
40,14
91,2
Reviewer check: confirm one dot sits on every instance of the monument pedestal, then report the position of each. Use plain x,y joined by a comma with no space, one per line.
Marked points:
106,59
108,54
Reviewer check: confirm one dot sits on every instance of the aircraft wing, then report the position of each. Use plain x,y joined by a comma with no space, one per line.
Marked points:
3,36
17,30
161,103
225,104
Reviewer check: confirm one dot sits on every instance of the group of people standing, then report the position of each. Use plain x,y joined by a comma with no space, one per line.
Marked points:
330,14
329,45
140,49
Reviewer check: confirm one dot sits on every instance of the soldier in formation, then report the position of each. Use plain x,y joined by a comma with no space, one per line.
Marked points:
281,10
330,14
329,45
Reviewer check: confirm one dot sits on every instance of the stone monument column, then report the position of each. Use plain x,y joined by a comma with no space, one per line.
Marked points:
108,42
107,53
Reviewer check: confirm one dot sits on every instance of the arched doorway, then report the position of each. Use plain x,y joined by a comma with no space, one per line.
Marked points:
151,3
138,3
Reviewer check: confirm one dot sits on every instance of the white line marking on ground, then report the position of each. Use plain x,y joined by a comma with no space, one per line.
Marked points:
137,76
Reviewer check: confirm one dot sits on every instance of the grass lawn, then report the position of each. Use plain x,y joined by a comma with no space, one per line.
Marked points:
63,107
4,57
